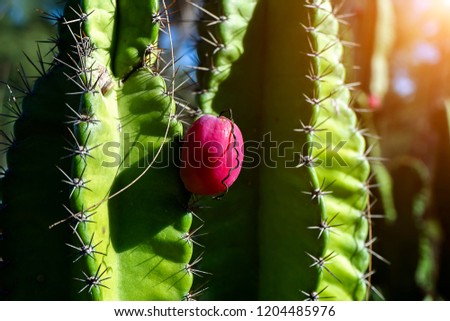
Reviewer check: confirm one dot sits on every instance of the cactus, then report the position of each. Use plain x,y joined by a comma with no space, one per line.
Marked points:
296,223
408,224
374,33
86,132
310,209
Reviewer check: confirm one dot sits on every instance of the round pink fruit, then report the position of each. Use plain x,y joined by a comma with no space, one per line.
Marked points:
211,156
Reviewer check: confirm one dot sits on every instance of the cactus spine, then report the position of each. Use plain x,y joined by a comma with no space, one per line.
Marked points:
104,95
290,89
295,224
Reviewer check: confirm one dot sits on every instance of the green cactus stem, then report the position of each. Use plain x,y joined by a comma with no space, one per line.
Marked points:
278,67
96,127
81,161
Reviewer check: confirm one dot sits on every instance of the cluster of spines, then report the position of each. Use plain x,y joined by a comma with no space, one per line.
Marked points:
89,81
152,61
332,103
29,128
316,100
222,28
193,239
184,109
88,78
326,69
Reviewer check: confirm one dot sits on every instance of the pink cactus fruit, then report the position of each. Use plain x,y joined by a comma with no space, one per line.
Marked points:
212,155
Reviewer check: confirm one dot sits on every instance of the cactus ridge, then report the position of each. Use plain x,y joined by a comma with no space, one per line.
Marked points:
330,106
297,221
335,194
217,53
110,93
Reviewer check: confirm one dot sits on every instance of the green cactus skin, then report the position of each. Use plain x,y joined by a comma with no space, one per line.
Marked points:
231,239
280,87
128,237
291,231
134,39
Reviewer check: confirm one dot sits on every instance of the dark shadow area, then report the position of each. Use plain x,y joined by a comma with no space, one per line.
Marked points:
162,202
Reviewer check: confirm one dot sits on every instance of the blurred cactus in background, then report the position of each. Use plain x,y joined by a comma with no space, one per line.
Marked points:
412,124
